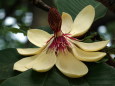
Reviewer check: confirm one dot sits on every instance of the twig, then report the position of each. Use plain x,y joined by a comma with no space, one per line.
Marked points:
110,61
41,4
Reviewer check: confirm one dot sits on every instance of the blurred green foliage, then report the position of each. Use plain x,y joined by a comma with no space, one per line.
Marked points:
16,9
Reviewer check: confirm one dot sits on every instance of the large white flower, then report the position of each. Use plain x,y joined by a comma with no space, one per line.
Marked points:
61,49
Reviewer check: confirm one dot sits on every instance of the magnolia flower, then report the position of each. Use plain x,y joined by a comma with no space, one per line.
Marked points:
62,49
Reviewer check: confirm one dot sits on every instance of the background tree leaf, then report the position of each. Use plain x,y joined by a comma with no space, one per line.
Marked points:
73,7
99,75
7,59
5,29
46,28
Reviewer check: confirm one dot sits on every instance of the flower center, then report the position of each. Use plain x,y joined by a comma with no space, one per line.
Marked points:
59,43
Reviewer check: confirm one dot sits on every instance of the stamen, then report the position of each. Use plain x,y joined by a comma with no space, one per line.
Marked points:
67,35
59,44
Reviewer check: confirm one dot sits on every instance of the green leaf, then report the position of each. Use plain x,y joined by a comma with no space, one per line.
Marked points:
24,28
73,7
111,29
46,28
99,75
7,58
5,29
89,37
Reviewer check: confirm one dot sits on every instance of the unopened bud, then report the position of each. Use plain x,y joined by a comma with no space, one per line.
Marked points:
54,19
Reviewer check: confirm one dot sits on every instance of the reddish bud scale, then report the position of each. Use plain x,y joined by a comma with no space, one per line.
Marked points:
54,19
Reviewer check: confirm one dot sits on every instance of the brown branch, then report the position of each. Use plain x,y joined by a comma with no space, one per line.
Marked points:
109,4
41,4
110,61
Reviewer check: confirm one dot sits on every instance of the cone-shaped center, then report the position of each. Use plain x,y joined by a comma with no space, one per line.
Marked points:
55,21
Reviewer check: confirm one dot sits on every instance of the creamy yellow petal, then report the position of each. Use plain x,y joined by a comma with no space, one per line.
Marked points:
28,51
87,56
70,66
20,65
66,22
45,62
95,46
38,37
83,21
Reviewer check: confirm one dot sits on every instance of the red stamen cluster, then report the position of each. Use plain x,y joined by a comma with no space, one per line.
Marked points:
54,19
59,44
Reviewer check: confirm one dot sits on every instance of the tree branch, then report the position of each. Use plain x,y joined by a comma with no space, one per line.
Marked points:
110,61
41,4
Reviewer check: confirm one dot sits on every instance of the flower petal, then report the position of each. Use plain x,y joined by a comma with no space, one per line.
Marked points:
45,62
66,22
87,56
70,66
38,37
83,21
20,65
95,46
29,51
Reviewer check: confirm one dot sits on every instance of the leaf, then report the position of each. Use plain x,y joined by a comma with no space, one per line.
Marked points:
73,7
7,58
108,3
111,29
5,29
46,28
24,28
99,75
88,38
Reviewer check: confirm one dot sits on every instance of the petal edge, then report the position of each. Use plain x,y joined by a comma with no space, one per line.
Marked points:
87,56
70,66
95,46
38,37
83,21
